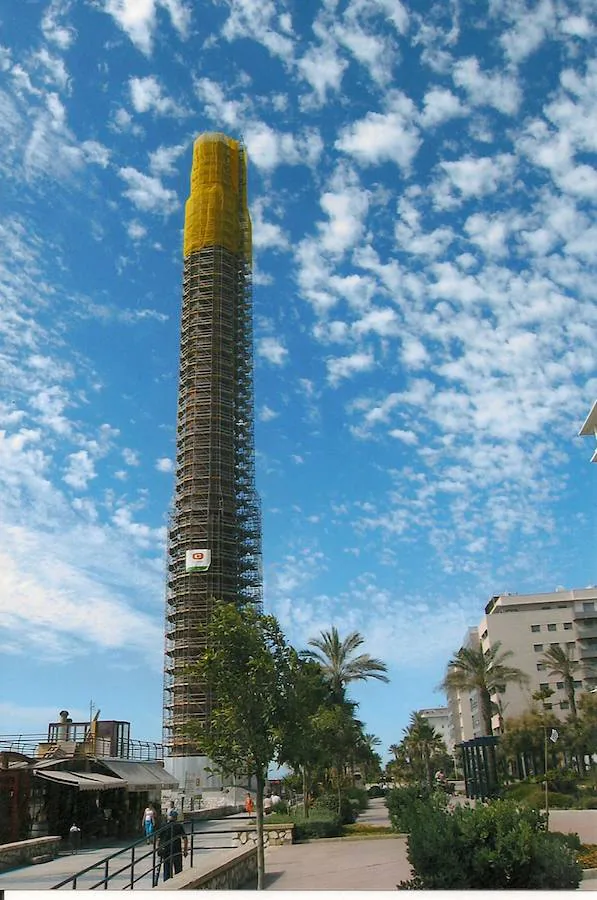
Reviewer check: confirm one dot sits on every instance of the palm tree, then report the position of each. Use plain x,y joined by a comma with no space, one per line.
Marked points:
338,663
473,670
560,663
423,741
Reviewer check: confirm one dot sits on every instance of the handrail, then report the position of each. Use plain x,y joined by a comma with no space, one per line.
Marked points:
133,866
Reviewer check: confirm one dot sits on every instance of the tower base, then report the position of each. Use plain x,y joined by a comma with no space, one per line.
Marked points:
200,787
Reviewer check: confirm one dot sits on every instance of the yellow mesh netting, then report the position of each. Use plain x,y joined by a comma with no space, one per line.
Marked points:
216,213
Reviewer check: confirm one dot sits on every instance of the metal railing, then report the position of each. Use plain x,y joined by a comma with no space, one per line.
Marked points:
132,749
121,872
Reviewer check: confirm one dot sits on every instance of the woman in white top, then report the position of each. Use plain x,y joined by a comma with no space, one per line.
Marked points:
148,823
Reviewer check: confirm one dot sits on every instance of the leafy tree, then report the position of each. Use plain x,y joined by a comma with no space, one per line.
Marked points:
473,670
561,665
338,663
422,741
250,672
302,747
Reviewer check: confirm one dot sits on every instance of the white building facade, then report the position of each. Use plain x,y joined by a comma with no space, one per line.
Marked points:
527,625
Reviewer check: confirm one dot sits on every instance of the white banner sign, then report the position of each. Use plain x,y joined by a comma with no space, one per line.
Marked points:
198,560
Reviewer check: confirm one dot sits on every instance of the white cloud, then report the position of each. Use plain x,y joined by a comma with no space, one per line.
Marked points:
502,92
147,192
136,231
440,105
269,148
261,21
346,206
383,322
343,367
164,464
131,457
323,69
529,31
147,95
143,535
273,350
266,414
162,161
266,235
53,29
138,19
226,112
475,177
80,470
384,137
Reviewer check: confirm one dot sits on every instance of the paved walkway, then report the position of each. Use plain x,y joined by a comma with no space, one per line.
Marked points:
367,864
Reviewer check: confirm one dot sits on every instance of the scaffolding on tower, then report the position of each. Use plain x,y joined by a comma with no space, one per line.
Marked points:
216,507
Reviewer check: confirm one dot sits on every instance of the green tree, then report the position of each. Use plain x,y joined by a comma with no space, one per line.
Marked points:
473,670
339,664
250,672
422,743
560,664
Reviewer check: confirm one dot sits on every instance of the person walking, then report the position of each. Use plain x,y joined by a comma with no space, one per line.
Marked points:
148,822
249,805
75,838
173,844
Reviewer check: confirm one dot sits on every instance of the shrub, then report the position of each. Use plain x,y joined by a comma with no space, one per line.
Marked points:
329,801
562,781
403,803
321,823
358,794
495,846
318,825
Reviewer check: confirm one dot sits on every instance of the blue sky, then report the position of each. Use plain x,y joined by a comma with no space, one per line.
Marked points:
422,187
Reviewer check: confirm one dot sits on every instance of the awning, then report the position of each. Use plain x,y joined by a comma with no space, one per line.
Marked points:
141,776
88,781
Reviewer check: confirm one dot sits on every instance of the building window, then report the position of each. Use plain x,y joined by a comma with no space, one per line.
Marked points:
484,635
588,606
578,684
567,626
548,706
560,685
552,626
535,628
537,648
564,704
540,667
543,685
554,645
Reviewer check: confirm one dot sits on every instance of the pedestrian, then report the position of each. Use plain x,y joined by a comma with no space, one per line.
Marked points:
75,838
249,805
276,800
173,845
148,822
267,805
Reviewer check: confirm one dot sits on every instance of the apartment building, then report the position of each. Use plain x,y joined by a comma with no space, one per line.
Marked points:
528,624
439,719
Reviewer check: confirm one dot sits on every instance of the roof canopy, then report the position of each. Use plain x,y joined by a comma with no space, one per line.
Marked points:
141,776
82,781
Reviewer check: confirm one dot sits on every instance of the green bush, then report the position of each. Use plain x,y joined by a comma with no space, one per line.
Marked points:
318,825
321,823
403,803
358,794
329,801
562,781
497,846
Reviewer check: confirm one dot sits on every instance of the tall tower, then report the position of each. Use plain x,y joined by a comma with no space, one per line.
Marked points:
214,545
